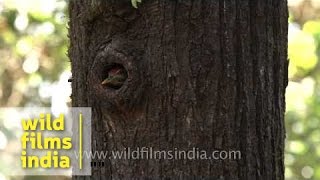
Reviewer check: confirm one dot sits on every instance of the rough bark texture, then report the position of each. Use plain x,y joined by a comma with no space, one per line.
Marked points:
209,74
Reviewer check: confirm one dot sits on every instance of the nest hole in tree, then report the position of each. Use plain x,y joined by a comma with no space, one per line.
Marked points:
114,76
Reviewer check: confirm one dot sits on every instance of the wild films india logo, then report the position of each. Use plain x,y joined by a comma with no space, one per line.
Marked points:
34,135
50,143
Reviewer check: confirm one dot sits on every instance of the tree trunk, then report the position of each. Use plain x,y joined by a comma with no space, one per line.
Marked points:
205,74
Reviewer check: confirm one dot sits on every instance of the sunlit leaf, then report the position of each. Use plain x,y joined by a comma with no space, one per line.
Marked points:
312,27
302,50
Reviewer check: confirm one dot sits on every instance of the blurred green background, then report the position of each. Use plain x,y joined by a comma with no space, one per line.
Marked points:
34,69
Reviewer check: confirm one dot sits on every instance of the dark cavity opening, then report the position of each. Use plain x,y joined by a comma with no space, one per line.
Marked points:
114,76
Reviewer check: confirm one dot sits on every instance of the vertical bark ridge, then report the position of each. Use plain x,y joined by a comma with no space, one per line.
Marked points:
245,86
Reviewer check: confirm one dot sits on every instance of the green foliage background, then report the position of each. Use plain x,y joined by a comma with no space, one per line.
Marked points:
34,69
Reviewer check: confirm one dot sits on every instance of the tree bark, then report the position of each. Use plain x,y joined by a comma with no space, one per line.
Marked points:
206,74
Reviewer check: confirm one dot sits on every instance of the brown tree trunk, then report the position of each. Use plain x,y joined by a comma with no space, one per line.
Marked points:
206,74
